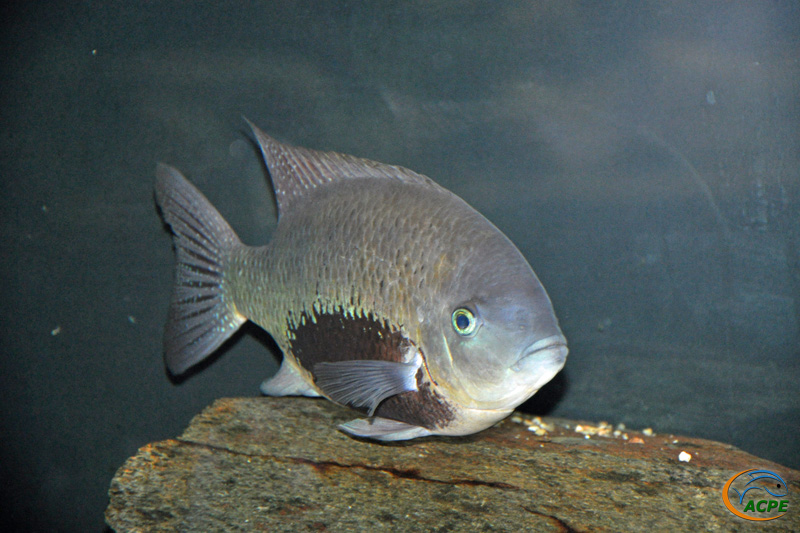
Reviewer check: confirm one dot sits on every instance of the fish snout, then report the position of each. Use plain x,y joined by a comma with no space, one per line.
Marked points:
548,353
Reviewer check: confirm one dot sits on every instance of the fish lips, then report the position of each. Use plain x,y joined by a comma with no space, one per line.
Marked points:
544,358
537,365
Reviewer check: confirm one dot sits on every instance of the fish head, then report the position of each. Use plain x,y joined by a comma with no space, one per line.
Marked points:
500,339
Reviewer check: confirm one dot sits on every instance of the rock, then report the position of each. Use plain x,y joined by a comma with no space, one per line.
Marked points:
279,464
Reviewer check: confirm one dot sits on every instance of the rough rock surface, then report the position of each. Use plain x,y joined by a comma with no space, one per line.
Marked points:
279,464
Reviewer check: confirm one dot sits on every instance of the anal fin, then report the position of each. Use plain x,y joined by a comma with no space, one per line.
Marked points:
287,382
366,383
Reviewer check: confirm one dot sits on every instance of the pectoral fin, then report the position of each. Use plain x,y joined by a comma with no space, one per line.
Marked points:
383,429
366,383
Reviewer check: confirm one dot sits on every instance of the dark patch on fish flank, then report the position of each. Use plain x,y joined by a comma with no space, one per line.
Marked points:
423,408
335,337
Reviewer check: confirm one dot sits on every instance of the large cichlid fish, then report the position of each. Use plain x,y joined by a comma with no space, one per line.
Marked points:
386,293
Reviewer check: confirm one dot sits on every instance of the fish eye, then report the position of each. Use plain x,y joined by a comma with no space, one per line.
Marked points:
464,321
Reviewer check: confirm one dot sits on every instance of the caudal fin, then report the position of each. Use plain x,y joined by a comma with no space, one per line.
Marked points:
200,317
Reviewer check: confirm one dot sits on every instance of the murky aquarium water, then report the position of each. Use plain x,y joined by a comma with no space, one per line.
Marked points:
643,156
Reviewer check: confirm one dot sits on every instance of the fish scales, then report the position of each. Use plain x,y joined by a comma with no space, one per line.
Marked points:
383,259
385,292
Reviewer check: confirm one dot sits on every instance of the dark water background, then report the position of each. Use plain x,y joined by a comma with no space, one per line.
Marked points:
642,155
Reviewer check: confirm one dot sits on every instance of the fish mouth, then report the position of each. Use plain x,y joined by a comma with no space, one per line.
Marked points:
550,351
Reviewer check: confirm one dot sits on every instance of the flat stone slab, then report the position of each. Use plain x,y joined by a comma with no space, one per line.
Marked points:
280,464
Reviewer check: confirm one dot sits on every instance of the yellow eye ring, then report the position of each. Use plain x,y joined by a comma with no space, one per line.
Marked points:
464,321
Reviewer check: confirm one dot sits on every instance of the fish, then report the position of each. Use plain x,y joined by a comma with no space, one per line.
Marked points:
770,482
386,293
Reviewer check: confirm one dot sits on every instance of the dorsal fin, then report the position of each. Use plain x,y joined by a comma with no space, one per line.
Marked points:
295,170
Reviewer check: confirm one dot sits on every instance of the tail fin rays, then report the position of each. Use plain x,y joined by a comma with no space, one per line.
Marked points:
200,317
